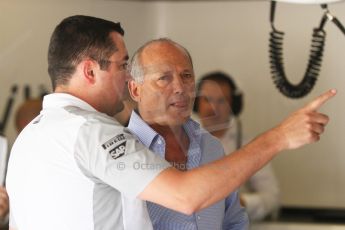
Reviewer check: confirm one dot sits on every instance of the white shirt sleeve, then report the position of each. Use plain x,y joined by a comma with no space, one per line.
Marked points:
109,153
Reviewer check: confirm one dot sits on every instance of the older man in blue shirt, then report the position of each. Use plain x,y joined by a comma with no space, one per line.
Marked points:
164,87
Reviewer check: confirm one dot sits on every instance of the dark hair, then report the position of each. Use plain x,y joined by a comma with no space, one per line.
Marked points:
222,78
78,37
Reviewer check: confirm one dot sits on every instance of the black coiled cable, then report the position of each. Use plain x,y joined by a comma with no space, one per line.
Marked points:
276,60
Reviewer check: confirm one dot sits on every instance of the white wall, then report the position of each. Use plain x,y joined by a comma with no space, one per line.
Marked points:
26,27
230,36
233,36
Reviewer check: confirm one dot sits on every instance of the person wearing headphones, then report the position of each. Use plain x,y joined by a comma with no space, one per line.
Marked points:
218,104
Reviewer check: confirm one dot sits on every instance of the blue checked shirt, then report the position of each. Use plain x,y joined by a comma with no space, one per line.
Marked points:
226,214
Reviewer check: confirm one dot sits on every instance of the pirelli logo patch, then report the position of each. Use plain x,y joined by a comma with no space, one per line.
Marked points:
113,141
116,146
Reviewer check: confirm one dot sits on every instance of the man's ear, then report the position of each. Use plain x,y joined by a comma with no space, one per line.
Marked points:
134,90
89,72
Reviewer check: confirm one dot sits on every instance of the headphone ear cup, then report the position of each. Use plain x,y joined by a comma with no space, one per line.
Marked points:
237,104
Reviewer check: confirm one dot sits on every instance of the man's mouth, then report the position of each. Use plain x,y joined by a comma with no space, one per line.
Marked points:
179,104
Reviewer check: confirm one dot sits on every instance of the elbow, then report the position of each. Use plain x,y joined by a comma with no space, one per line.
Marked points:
190,209
187,209
188,205
190,200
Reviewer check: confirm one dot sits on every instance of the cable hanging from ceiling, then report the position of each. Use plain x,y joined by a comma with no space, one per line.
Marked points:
315,57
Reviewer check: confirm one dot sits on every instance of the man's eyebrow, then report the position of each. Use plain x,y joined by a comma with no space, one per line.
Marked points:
157,71
187,70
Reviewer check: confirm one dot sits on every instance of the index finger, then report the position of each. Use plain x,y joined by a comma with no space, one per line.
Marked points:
320,100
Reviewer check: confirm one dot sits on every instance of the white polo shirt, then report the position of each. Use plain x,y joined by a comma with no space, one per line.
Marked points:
75,168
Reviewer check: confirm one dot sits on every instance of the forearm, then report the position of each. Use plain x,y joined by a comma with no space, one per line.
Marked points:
222,177
193,190
198,188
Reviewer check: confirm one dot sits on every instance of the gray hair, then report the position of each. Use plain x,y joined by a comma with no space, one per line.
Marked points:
137,71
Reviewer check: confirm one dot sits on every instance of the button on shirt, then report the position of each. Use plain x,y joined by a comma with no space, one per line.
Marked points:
203,148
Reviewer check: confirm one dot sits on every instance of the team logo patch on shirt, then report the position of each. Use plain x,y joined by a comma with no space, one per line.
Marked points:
113,141
118,151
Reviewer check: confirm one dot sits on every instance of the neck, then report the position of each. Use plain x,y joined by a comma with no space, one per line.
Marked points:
176,144
168,131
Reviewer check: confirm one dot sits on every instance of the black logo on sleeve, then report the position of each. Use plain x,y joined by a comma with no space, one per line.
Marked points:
118,151
116,146
113,141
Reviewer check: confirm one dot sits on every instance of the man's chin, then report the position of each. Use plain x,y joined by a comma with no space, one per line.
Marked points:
176,121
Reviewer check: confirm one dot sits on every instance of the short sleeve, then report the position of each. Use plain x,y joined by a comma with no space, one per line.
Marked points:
106,152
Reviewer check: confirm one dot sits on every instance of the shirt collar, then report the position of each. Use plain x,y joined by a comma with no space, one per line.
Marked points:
141,129
147,135
192,129
64,99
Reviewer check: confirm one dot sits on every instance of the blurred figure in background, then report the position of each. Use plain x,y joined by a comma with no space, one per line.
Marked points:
26,112
4,208
218,105
4,201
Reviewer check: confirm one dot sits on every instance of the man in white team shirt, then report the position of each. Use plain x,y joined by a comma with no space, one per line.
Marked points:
75,167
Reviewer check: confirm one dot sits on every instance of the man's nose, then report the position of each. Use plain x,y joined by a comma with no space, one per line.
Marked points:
178,85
